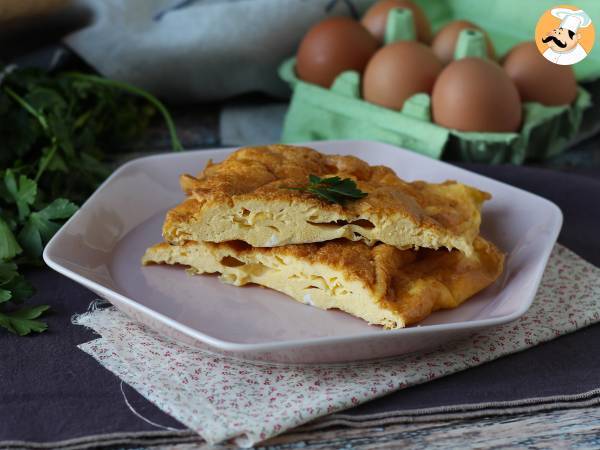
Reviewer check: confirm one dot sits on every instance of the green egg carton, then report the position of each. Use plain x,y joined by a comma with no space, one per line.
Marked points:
316,113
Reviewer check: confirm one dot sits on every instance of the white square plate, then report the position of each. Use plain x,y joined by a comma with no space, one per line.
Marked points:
101,246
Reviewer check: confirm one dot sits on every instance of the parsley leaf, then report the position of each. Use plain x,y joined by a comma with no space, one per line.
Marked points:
20,289
9,247
8,271
41,225
22,194
14,288
5,295
333,189
22,321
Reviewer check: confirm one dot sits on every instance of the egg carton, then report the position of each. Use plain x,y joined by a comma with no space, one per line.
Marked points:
316,113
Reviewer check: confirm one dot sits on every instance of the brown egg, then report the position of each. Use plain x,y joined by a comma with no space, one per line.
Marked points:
537,79
375,19
445,40
475,94
331,47
398,71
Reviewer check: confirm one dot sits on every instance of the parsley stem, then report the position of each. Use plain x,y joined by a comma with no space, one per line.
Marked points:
27,107
44,162
175,143
42,120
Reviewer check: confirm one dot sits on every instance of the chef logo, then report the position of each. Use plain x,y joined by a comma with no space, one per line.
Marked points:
564,35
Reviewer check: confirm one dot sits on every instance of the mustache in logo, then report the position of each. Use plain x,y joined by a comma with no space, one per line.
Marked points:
555,40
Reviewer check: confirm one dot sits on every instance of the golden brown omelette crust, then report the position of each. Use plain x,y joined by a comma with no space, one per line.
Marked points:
264,172
413,283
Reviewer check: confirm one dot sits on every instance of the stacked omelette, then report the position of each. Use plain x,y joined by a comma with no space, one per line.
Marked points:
391,257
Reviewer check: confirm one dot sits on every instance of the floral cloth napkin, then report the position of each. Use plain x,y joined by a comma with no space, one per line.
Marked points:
224,399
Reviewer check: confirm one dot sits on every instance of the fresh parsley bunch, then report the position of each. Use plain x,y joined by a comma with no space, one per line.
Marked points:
26,225
56,134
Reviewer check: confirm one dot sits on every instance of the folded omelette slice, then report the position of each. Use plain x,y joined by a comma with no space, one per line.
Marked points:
380,284
247,197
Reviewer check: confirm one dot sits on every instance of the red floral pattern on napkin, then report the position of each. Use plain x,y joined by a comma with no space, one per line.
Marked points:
224,399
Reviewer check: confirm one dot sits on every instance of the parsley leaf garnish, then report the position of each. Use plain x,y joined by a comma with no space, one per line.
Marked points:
333,189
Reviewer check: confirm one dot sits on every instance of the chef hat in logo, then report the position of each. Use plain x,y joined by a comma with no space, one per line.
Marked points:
572,20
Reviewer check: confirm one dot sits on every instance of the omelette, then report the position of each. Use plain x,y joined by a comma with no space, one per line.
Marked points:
252,196
381,284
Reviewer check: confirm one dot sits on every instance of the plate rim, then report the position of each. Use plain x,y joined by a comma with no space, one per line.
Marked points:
237,347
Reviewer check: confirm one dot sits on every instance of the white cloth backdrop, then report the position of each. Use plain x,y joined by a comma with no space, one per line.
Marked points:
199,50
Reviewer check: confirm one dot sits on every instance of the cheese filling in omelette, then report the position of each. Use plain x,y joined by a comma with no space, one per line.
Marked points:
247,198
380,284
